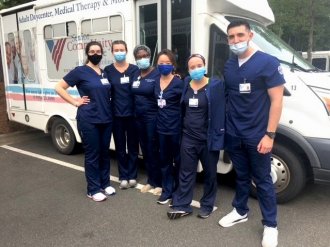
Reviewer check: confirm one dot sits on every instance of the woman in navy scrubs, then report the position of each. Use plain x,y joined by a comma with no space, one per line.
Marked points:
168,92
203,111
94,119
146,116
121,75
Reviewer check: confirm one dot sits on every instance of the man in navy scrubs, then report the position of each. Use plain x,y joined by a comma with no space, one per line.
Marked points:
254,87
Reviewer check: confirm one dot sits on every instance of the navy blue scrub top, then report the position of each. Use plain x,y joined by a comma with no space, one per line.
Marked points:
89,83
195,119
122,97
169,116
143,90
248,113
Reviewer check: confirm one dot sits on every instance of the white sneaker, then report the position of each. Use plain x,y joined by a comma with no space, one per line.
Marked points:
270,236
132,183
232,218
98,197
123,184
146,188
109,191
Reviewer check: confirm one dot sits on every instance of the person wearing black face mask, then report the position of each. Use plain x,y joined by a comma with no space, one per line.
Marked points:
94,119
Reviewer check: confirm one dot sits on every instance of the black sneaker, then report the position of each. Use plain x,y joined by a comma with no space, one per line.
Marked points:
175,214
163,200
203,214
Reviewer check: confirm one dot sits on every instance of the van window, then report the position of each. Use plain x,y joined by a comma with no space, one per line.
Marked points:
181,33
62,48
103,30
320,63
20,57
28,57
148,23
218,52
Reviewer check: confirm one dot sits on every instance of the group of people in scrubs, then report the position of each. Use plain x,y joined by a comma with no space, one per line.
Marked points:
178,123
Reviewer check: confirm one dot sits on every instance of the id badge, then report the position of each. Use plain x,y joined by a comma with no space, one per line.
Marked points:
136,84
161,103
245,88
193,102
105,81
124,80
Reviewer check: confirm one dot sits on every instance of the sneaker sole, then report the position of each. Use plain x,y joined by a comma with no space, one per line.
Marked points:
112,194
203,216
174,215
163,202
234,223
91,197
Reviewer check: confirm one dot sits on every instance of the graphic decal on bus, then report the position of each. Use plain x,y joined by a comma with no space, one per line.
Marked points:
56,49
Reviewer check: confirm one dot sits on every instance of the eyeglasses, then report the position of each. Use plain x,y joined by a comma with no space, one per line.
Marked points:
92,52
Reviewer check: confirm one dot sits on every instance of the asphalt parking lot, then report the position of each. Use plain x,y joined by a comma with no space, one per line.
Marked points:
43,203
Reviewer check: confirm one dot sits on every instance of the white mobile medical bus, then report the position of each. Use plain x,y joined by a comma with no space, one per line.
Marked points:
41,41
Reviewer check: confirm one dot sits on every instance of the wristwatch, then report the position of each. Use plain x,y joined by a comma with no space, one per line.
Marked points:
271,135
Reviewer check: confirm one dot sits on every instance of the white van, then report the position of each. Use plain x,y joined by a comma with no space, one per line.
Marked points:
320,59
47,39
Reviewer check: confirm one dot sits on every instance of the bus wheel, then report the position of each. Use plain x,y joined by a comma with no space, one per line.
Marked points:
288,174
63,136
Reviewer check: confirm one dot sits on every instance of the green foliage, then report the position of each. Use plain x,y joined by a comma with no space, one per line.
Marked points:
4,4
294,21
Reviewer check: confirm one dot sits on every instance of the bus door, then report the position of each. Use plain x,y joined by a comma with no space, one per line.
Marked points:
23,88
149,25
14,88
180,29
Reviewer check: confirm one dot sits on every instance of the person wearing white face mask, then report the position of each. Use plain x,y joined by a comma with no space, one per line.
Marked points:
203,112
121,75
146,117
254,89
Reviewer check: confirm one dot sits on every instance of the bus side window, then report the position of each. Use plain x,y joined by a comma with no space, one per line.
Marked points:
10,57
218,52
104,30
62,46
28,57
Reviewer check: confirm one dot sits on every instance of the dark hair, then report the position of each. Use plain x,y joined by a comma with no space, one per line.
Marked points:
118,42
196,55
169,54
88,46
237,23
139,48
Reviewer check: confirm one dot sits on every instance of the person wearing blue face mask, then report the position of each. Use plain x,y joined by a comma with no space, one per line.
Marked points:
146,116
121,75
203,113
254,90
168,90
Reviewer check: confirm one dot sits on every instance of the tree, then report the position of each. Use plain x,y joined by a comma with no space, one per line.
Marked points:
4,4
304,24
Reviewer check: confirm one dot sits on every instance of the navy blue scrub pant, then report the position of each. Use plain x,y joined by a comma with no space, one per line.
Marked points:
149,145
169,156
250,164
124,131
191,152
96,142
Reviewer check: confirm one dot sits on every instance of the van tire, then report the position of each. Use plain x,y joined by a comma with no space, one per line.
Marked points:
63,136
290,171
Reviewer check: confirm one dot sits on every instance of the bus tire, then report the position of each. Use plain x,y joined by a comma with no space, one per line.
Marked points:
289,171
63,136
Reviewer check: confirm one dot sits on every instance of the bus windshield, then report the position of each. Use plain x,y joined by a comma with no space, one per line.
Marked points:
269,42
